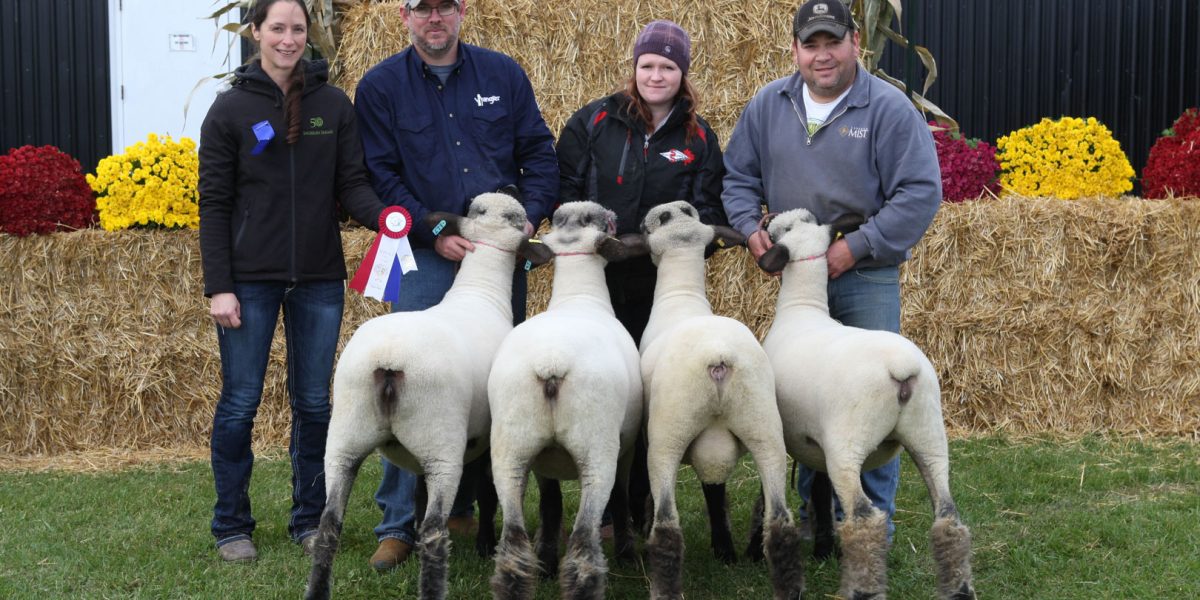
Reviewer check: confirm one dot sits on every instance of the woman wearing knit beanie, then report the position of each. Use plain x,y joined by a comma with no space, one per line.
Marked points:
639,147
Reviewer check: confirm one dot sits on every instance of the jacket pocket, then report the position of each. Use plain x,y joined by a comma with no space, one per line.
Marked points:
493,129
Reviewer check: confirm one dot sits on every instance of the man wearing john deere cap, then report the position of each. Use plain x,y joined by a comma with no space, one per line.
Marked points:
835,140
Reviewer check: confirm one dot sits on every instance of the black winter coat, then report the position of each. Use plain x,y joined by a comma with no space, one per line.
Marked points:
604,157
273,216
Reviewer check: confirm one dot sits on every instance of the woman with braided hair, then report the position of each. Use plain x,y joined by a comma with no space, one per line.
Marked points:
278,152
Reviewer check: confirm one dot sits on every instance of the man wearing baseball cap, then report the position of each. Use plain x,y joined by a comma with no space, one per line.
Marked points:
441,122
838,141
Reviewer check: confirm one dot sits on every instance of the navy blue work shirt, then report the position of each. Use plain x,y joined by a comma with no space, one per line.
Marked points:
431,146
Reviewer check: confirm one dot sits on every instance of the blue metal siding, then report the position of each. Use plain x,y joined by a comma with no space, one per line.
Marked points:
54,77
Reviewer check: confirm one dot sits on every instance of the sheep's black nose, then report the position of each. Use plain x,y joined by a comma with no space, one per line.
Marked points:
664,218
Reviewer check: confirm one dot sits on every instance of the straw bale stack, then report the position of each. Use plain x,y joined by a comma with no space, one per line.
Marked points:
579,51
1040,316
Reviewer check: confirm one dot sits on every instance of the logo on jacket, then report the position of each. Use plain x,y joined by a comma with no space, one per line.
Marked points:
684,156
316,126
481,100
854,132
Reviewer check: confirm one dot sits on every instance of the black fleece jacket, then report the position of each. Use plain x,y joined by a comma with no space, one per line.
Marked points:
273,216
604,157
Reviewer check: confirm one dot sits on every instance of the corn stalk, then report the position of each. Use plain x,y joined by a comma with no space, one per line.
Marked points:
323,36
874,18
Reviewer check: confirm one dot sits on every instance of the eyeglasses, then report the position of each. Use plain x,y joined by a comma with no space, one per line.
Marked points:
424,11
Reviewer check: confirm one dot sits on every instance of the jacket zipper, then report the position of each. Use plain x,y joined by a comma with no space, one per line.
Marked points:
804,121
292,169
624,155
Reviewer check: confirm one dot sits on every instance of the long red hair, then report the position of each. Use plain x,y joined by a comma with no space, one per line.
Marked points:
640,111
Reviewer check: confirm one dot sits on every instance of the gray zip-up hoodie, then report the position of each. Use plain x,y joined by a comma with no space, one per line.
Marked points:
873,157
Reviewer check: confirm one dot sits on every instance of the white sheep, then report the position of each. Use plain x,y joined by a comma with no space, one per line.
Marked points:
850,398
710,396
414,386
566,397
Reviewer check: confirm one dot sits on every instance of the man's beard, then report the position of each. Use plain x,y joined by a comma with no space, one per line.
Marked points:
436,50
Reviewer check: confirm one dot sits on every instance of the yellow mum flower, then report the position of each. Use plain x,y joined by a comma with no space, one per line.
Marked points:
152,184
1069,158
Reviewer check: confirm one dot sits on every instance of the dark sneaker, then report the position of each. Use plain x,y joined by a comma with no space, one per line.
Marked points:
391,553
238,551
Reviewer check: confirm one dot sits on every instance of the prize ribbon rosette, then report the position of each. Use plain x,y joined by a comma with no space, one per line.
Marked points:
389,258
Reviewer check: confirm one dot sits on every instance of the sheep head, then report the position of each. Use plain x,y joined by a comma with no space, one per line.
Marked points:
587,227
677,225
796,234
497,219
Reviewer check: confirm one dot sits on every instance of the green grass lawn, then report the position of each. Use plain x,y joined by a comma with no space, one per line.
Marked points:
1093,518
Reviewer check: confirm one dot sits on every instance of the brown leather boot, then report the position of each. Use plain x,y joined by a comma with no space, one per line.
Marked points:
391,553
464,525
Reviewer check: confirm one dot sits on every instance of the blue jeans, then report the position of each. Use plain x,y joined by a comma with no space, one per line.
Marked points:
397,492
312,318
869,299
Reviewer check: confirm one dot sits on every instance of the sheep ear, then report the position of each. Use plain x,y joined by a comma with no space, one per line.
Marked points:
513,191
444,223
535,252
775,259
627,246
725,237
846,224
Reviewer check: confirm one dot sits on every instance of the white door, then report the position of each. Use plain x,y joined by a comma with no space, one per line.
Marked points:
160,50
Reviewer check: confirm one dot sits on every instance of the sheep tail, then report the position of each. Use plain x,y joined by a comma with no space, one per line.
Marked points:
550,387
718,372
387,383
906,390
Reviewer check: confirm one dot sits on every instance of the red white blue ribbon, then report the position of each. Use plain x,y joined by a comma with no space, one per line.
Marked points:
389,258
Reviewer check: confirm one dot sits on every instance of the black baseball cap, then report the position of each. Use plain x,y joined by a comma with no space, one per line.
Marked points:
830,16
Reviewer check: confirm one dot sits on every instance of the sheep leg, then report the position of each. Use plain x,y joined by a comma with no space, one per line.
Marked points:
339,480
664,548
754,549
863,532
640,502
821,516
623,543
584,570
441,478
781,537
349,444
718,522
951,540
486,495
550,513
515,577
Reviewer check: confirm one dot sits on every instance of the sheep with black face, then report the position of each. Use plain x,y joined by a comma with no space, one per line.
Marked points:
566,398
850,399
710,396
414,386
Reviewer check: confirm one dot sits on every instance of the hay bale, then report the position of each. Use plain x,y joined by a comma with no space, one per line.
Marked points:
581,51
1040,316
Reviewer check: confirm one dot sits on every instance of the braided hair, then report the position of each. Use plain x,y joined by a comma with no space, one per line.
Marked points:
291,100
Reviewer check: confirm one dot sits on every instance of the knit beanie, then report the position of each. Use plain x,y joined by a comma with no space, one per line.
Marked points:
667,40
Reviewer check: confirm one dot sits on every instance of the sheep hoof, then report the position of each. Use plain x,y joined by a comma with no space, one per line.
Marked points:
664,552
725,553
965,592
824,548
